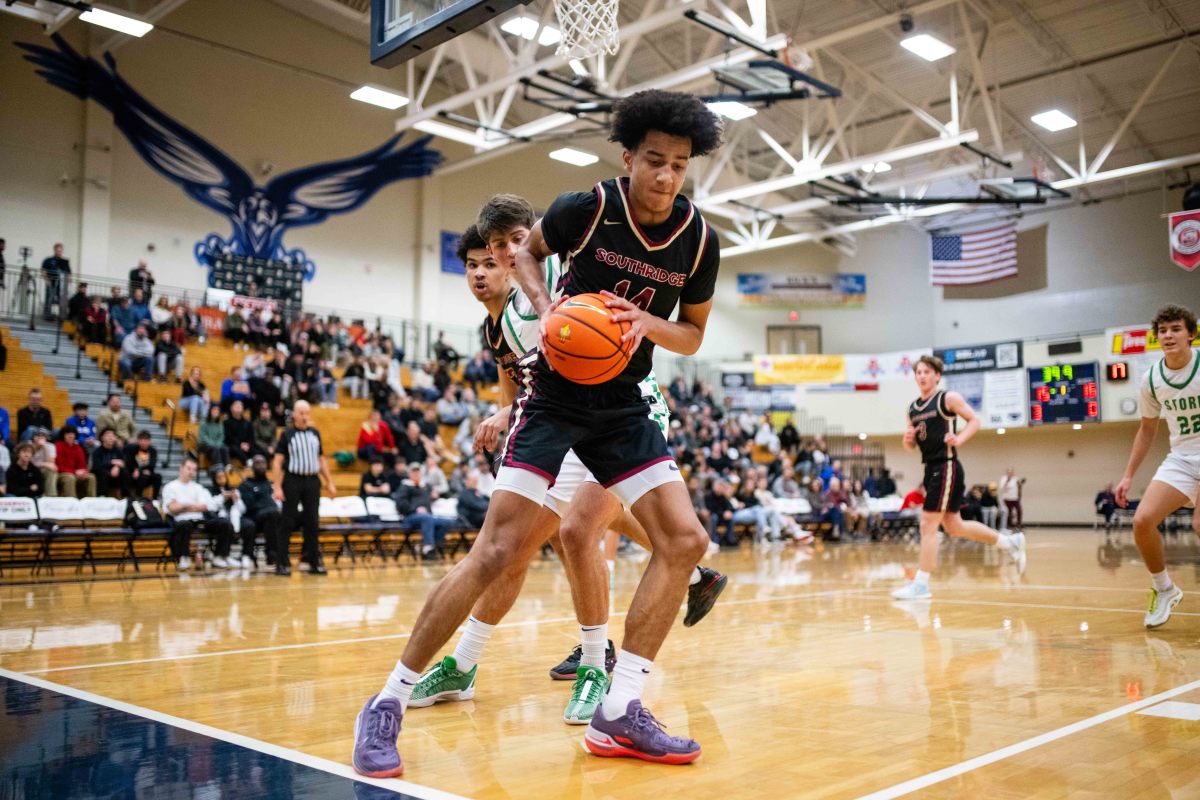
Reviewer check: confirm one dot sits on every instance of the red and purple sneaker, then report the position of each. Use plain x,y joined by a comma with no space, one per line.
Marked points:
637,734
375,731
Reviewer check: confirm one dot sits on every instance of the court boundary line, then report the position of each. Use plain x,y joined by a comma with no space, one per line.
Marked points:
987,759
285,753
397,636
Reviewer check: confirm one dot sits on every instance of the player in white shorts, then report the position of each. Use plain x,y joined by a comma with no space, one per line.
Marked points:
1170,390
576,508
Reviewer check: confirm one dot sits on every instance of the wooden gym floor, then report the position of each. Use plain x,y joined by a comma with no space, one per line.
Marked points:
805,681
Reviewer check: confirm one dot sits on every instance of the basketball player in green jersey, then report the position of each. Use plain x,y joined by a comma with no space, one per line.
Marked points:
1170,389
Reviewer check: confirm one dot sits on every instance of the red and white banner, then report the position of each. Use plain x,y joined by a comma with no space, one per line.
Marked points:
1184,228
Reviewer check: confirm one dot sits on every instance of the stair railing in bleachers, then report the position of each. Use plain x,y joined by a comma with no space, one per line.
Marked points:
170,432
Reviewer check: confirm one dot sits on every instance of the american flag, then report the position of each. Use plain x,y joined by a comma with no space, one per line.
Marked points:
973,256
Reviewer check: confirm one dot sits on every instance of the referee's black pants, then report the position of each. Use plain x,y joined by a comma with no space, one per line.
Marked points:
299,490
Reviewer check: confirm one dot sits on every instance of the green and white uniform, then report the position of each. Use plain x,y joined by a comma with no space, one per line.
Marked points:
519,321
1175,396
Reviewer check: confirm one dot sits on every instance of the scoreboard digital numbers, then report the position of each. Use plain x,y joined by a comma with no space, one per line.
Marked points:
1064,393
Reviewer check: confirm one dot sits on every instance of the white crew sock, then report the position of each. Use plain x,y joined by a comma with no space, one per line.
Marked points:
628,683
695,576
594,639
470,646
399,686
1162,581
922,578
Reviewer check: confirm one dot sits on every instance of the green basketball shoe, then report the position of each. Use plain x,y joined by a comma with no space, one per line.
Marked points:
590,684
443,682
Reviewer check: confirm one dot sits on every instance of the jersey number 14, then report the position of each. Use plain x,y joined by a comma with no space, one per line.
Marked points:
641,299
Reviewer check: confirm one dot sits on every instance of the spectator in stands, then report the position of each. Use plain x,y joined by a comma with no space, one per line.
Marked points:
719,503
1010,487
239,434
766,437
141,460
256,329
5,463
831,470
85,426
5,426
108,465
1106,503
679,390
972,505
989,507
481,467
56,274
234,388
265,431
123,321
451,410
375,482
354,378
137,354
860,505
914,500
261,514
326,385
193,396
78,305
481,369
472,503
300,373
182,326
375,440
412,449
789,438
235,327
435,479
22,478
186,503
826,507
887,486
114,417
211,438
45,458
95,322
444,353
139,308
432,436
227,506
114,298
749,511
422,384
168,357
74,479
140,278
161,317
414,501
33,416
785,485
719,460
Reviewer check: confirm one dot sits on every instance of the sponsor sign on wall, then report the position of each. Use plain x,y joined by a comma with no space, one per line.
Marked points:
981,358
841,290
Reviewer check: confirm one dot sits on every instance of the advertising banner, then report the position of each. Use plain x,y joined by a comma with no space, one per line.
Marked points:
794,370
841,290
981,358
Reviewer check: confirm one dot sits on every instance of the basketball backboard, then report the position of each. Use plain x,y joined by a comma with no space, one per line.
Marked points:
404,29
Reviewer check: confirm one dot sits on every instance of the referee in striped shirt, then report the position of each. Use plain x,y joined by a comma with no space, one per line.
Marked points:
299,467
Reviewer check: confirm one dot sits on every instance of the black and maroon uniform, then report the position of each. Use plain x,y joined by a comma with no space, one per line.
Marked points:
944,479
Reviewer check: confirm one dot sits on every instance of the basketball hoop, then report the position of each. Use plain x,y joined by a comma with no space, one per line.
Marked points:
589,27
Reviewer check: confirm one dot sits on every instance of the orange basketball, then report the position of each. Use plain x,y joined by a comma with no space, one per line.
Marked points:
583,344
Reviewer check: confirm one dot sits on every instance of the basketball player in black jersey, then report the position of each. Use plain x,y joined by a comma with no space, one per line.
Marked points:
933,429
639,240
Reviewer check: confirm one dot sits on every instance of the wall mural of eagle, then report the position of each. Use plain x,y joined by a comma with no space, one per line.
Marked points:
259,215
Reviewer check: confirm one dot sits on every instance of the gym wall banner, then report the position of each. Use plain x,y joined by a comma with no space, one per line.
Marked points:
1136,340
981,358
841,290
794,370
1184,231
896,365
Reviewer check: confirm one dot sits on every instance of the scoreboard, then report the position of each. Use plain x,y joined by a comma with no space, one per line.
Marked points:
1064,393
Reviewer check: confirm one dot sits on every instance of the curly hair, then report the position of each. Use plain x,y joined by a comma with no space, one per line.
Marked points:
673,113
503,213
470,240
1174,313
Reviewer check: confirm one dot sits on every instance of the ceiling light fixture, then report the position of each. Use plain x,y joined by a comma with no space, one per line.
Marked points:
877,167
578,68
116,22
456,134
379,97
1054,120
927,47
527,28
731,109
569,155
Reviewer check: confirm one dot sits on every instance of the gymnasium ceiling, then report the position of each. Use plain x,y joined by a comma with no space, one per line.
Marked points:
1128,71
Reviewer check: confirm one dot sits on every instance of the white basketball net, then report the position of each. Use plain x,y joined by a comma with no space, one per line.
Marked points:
589,27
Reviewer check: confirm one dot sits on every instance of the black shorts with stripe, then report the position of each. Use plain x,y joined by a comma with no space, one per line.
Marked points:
944,482
608,426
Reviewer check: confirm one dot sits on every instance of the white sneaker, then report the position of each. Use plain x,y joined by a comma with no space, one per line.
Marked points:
247,562
1018,551
185,563
1161,605
912,591
220,562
